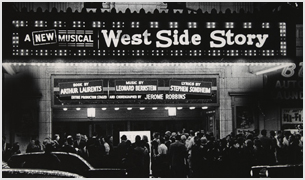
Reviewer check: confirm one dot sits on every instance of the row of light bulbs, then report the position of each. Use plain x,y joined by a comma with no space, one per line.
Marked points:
142,108
149,64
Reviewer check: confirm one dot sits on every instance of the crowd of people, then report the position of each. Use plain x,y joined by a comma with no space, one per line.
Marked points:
184,153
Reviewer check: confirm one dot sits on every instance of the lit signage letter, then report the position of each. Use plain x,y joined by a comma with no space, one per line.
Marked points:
43,37
229,37
125,39
160,37
250,37
61,38
37,38
216,38
146,35
27,38
184,38
176,42
112,37
80,38
262,39
136,39
242,37
196,39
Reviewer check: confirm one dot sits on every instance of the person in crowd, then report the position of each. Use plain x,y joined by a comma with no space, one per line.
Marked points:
286,138
260,155
267,146
177,157
106,145
273,147
295,155
4,145
162,159
34,145
138,157
111,161
69,145
5,149
183,138
84,138
173,136
147,157
122,150
196,159
10,151
127,161
167,133
154,153
79,145
280,150
167,140
109,141
96,151
105,157
57,146
31,145
247,159
301,137
15,149
63,139
48,160
300,140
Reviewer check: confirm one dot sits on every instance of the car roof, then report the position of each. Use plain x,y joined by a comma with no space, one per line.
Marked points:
277,166
40,172
56,153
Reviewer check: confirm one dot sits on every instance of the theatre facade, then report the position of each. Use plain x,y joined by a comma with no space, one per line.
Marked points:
106,72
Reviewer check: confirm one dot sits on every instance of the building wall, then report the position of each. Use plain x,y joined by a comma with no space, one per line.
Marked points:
231,79
137,6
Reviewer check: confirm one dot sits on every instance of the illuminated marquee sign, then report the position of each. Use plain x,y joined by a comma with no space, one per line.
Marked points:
108,41
169,38
144,91
132,86
80,88
192,87
162,39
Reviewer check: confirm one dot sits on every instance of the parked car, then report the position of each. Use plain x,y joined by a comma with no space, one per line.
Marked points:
4,165
277,171
37,173
69,162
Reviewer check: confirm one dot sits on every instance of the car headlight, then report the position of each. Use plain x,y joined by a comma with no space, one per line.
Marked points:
263,172
267,173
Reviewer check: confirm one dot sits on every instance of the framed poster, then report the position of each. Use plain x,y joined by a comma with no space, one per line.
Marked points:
244,118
